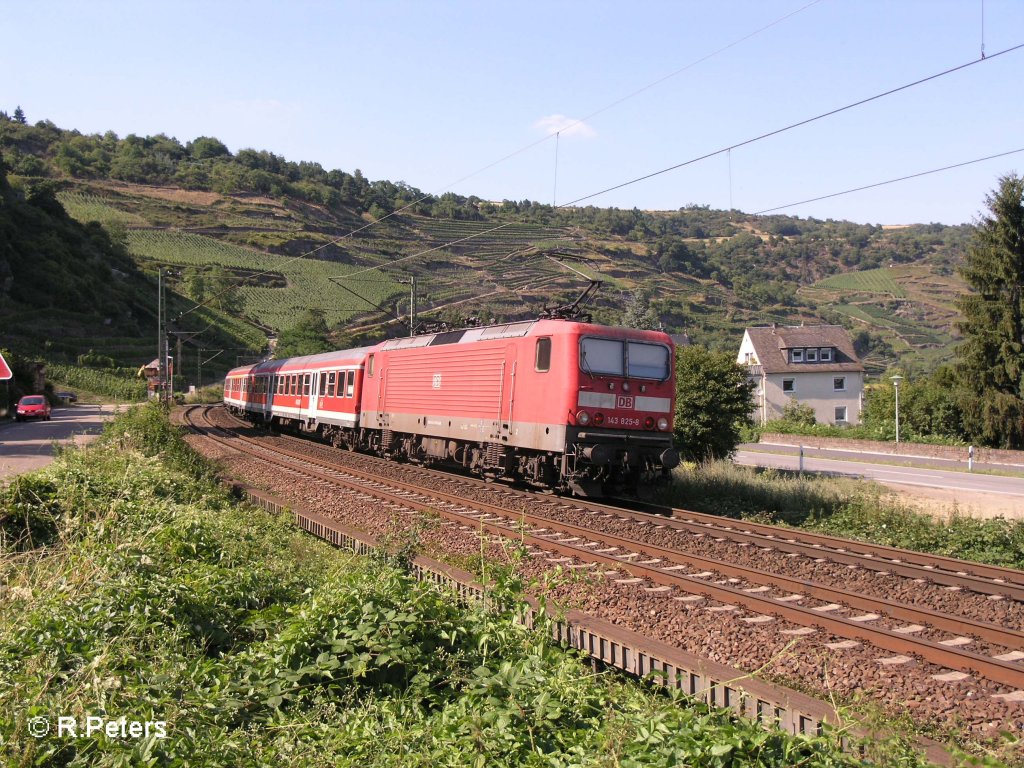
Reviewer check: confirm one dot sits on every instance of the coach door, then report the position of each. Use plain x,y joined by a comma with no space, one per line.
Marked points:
305,399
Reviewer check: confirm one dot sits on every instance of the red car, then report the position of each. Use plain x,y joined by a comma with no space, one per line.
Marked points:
33,407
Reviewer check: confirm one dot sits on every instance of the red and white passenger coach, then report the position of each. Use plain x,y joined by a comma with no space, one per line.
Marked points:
561,404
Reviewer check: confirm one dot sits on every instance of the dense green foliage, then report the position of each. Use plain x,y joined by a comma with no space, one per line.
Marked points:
158,599
120,385
49,260
991,358
713,401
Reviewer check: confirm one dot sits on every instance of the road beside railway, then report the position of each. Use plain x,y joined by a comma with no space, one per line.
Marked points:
937,486
28,446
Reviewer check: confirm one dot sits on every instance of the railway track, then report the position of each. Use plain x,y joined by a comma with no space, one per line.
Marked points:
989,580
683,578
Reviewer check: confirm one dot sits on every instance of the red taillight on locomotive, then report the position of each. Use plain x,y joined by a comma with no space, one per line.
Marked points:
649,422
598,419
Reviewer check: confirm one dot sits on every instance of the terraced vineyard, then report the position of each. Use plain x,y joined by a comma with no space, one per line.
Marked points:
89,207
488,239
308,281
867,281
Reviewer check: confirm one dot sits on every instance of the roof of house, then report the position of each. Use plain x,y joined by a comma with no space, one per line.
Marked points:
770,343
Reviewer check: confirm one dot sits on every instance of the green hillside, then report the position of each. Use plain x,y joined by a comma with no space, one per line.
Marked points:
261,239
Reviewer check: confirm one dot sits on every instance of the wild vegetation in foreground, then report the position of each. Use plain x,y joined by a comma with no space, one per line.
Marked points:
841,507
133,586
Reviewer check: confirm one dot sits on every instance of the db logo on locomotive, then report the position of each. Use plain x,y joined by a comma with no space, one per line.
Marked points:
624,402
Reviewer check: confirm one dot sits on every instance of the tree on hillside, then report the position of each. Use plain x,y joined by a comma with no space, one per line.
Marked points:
639,313
990,361
19,115
713,402
207,146
307,337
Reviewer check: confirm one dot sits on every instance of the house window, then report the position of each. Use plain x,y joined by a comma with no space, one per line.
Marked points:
787,385
797,356
839,384
840,413
812,355
825,354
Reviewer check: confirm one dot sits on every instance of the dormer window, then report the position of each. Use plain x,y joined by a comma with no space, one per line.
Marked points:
825,354
797,356
812,355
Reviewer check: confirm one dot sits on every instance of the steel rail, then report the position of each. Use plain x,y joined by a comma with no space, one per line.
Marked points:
934,565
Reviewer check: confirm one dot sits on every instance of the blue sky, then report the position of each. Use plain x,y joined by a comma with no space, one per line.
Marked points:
434,92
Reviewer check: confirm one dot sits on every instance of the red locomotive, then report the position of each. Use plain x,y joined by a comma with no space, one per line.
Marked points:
558,404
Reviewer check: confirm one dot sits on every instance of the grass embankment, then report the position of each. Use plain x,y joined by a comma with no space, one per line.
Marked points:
842,507
132,586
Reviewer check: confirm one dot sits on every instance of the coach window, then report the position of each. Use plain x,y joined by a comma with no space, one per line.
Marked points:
292,384
305,383
543,360
331,384
350,390
323,383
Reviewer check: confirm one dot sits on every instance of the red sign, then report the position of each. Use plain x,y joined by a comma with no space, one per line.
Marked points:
5,369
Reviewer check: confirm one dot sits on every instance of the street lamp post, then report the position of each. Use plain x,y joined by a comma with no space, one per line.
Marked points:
896,385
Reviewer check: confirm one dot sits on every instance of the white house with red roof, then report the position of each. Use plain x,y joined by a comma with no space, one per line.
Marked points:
813,364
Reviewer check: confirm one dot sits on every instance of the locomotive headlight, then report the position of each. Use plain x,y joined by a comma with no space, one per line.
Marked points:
611,385
582,418
662,423
625,386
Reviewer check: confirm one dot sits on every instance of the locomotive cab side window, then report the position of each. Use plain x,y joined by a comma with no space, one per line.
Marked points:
542,363
369,366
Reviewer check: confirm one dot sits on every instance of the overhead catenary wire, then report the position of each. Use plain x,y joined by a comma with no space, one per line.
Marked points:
792,126
889,181
513,154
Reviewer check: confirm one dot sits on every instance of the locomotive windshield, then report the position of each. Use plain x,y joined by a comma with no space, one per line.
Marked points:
634,359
